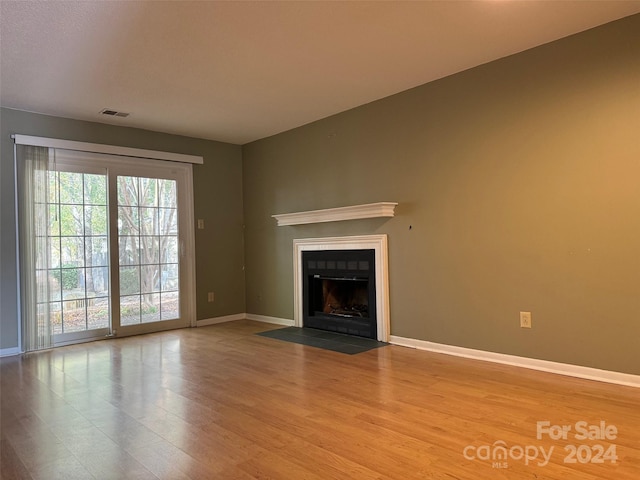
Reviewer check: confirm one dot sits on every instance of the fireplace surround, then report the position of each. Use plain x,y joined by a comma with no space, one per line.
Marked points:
368,311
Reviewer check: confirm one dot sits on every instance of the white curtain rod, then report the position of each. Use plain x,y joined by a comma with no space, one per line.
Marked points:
107,149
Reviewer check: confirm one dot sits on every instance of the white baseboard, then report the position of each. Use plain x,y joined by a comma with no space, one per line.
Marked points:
266,319
7,352
215,320
531,363
245,316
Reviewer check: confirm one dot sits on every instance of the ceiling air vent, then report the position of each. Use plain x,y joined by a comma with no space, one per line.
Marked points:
113,113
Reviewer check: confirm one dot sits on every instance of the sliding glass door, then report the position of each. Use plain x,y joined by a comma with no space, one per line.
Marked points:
148,246
118,261
78,264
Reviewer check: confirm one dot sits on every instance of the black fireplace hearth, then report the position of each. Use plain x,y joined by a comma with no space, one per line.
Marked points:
339,291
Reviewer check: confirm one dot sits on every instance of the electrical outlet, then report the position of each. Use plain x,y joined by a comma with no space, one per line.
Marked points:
211,297
200,224
525,319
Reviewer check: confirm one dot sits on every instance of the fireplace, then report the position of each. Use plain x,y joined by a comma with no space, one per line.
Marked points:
339,291
378,277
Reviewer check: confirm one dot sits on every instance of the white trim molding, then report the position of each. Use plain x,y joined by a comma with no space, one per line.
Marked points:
378,243
266,319
244,316
8,352
101,148
223,319
588,373
353,212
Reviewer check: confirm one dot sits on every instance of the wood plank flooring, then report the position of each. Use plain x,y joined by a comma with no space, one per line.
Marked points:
222,403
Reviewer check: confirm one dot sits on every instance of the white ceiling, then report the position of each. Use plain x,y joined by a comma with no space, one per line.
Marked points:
240,71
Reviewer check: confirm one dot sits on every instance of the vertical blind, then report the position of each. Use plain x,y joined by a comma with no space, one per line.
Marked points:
32,166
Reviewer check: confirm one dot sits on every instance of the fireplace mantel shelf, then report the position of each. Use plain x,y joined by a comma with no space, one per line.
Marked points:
353,212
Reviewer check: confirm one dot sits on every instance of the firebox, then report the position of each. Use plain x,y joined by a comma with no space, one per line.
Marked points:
339,292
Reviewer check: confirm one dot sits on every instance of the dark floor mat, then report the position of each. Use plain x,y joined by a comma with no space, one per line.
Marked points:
336,342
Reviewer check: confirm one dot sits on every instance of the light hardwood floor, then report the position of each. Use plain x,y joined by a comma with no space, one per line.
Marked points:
222,403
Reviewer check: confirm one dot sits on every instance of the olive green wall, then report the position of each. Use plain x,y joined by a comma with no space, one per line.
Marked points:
217,199
518,190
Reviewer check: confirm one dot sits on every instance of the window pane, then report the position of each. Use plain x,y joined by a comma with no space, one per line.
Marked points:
72,251
169,250
55,315
95,220
150,278
129,280
74,315
168,221
129,251
127,191
97,251
54,194
148,221
54,252
128,221
148,192
170,306
150,311
71,220
130,310
71,188
150,251
98,312
97,279
54,220
95,189
169,277
55,285
167,193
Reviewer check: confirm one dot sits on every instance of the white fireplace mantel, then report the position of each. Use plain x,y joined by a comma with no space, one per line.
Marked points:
353,212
